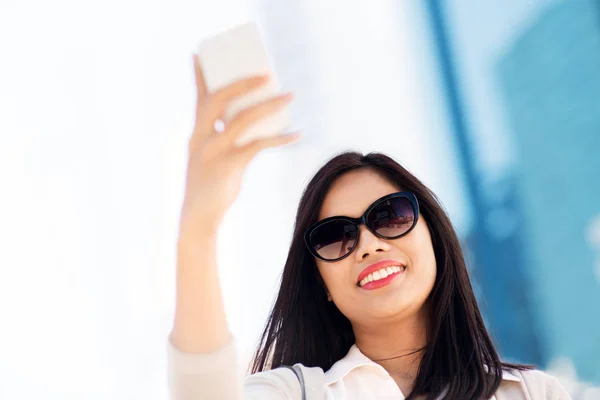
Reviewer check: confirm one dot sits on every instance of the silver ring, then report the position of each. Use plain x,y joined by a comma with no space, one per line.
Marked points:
219,126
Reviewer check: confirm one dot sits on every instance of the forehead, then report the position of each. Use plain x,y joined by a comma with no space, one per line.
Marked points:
353,192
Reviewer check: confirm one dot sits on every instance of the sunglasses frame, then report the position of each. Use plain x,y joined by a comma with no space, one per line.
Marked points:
362,220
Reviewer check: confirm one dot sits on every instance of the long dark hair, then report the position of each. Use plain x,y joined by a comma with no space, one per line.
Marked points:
304,327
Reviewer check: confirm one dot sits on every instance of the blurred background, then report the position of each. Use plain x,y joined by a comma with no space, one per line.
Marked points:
494,105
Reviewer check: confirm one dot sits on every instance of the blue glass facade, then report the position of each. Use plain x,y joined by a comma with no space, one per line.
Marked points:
524,102
550,82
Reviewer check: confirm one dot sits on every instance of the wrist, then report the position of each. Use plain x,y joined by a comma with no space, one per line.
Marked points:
187,241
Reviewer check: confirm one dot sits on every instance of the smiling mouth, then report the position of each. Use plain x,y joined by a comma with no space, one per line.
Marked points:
383,276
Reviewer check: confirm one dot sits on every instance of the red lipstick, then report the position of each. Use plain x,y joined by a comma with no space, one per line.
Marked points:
377,267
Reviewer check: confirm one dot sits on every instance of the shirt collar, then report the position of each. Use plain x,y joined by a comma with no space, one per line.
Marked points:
355,359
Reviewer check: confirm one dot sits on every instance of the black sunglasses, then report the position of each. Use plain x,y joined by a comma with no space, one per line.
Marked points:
390,217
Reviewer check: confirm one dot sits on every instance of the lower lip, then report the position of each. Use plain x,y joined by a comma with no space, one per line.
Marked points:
382,282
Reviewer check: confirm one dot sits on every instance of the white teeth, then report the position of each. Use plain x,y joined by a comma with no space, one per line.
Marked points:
382,273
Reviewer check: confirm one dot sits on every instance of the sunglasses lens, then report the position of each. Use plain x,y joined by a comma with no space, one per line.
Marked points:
334,239
392,218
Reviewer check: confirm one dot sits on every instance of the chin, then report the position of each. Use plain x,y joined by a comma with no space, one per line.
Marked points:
386,307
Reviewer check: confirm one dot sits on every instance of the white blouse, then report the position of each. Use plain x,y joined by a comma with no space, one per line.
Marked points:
355,377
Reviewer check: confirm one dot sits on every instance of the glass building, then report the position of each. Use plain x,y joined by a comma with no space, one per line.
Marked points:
522,85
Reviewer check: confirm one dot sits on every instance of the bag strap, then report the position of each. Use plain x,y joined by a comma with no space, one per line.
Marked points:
298,372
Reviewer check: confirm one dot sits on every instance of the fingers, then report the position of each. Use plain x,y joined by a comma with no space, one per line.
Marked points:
249,151
211,107
253,114
216,104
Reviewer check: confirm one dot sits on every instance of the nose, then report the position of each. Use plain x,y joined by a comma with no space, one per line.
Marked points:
368,243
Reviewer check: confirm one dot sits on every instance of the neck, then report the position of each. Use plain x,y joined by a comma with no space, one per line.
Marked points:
397,346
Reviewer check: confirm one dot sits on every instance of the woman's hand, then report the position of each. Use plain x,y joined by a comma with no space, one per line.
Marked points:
215,164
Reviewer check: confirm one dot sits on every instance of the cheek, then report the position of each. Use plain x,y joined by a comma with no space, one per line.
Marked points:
334,275
328,275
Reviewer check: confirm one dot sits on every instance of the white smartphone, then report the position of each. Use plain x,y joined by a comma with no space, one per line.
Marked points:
236,54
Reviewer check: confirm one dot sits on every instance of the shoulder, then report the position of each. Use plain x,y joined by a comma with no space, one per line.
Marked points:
541,385
282,383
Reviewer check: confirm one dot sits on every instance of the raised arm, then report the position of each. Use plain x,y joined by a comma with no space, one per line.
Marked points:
215,168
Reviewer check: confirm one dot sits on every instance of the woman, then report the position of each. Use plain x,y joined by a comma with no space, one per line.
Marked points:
375,300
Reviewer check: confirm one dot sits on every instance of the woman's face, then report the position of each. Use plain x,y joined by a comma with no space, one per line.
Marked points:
351,195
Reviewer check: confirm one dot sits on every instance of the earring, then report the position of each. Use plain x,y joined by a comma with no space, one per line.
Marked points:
329,297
